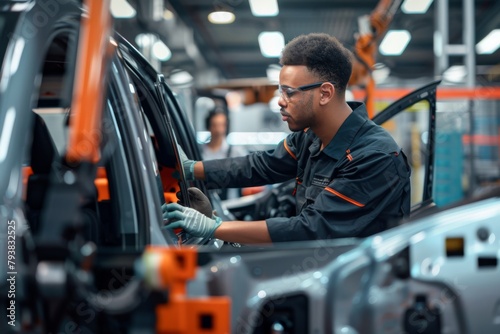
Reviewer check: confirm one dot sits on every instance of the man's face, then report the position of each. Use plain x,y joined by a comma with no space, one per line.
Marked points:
218,126
296,106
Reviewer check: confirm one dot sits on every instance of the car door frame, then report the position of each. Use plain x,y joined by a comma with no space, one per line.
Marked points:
425,93
167,118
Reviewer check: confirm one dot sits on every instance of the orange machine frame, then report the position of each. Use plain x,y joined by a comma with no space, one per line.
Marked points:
86,109
170,269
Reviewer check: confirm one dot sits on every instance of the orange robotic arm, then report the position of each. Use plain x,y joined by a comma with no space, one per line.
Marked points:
371,28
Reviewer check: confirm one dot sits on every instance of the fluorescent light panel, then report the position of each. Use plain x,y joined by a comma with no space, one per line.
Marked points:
380,72
246,138
273,73
271,43
456,73
264,7
122,9
221,17
181,78
395,42
144,40
490,43
415,6
168,15
161,51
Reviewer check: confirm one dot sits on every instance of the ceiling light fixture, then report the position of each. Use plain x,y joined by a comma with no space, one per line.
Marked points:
144,40
180,78
168,15
380,73
161,51
264,7
455,74
221,17
273,73
395,42
490,43
122,9
255,138
271,43
415,6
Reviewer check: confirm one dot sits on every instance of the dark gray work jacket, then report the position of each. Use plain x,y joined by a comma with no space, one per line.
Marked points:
354,187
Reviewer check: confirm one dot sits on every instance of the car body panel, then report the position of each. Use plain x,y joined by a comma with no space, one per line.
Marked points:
437,273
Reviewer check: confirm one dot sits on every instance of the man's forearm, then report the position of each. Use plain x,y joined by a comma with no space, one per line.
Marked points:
245,232
199,171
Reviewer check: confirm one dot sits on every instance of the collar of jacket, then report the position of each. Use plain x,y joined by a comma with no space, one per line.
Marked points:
347,132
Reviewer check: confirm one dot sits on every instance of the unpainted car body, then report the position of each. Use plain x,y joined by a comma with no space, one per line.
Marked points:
78,239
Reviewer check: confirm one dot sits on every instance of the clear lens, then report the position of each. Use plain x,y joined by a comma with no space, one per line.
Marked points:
286,93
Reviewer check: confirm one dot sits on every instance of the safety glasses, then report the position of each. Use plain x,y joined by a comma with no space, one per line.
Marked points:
287,92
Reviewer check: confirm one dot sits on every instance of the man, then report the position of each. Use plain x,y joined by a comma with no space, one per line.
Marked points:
351,177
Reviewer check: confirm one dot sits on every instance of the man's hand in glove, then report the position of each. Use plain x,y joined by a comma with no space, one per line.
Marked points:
200,202
187,165
190,220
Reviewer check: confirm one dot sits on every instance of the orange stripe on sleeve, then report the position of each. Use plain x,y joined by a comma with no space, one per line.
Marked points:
289,150
344,197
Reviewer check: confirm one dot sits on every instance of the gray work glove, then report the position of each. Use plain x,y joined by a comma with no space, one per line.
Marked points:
190,220
199,201
187,165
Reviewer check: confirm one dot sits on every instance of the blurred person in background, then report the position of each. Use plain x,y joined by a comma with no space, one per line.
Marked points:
217,147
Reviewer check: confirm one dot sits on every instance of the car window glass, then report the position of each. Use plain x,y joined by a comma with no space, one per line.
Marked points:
453,166
153,150
410,130
184,134
45,152
118,211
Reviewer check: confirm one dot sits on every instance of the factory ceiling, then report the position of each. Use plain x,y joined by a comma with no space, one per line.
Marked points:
216,54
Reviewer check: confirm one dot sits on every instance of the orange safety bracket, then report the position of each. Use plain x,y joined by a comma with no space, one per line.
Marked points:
170,269
102,184
170,184
86,108
26,172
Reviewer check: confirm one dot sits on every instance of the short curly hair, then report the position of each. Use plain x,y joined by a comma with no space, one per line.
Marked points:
323,55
